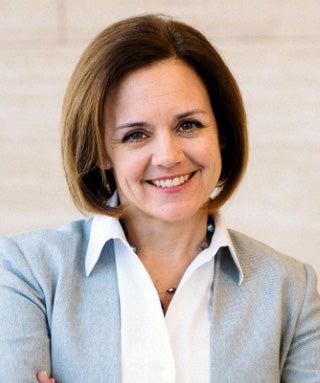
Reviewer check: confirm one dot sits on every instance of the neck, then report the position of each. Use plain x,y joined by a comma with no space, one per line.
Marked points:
167,249
167,240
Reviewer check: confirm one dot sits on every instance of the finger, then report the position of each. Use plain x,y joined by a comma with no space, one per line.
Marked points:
42,377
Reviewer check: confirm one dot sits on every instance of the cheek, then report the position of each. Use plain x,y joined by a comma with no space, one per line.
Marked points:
214,165
129,166
211,155
218,159
217,163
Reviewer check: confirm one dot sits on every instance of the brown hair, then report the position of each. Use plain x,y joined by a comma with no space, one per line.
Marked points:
121,48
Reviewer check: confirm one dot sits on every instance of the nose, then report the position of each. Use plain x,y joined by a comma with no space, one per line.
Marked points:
168,151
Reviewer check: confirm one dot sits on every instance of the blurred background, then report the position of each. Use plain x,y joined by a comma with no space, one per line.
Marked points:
273,49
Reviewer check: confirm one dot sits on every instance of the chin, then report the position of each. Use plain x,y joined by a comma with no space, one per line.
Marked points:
178,215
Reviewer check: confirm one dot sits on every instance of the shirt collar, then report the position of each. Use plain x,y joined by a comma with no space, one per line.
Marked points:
221,238
105,228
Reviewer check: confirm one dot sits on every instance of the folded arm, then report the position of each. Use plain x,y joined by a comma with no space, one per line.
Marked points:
24,334
303,360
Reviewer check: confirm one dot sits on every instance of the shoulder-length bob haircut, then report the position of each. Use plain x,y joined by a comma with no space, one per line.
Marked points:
121,48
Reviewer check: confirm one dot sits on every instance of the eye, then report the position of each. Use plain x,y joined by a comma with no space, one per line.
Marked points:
135,136
189,126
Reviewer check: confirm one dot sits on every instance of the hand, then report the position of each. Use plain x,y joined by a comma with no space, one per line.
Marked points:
42,377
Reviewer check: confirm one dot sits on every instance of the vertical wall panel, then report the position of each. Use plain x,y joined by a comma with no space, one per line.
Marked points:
272,47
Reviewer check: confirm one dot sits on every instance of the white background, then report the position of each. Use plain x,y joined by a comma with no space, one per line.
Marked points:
273,49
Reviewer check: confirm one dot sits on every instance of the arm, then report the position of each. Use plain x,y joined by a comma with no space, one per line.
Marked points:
24,334
303,360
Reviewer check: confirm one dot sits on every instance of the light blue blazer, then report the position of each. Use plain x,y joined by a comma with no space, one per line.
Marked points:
52,317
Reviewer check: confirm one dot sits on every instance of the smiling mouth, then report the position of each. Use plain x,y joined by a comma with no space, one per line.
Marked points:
169,182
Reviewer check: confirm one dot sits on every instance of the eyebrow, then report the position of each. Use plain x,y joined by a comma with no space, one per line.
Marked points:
189,113
137,124
141,124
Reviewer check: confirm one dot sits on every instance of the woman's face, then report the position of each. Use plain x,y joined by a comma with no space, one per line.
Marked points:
162,142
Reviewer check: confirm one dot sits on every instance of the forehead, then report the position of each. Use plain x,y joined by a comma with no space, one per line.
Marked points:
166,83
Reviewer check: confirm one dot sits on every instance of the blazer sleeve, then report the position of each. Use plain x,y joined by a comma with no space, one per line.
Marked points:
303,360
24,335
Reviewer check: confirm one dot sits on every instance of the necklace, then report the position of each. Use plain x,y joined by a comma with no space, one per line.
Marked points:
170,290
201,246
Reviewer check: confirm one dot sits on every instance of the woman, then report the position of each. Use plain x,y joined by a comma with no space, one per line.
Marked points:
154,288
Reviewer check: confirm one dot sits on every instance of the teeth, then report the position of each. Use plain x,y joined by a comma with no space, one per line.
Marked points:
172,182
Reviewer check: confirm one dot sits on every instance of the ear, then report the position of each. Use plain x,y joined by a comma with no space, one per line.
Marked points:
106,164
222,142
222,145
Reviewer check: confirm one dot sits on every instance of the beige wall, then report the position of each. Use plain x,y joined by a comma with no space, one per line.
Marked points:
273,48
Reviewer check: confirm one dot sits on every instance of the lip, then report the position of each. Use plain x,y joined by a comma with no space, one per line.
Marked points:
171,182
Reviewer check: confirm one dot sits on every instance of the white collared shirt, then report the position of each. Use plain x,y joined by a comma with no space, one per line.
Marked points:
155,348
